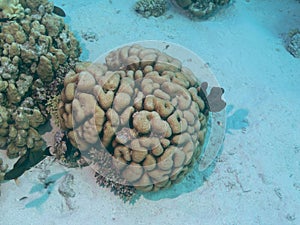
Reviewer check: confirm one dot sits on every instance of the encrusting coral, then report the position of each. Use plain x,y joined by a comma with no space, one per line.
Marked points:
35,52
139,120
143,109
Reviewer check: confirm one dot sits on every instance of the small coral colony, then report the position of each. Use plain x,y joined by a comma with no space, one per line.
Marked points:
139,119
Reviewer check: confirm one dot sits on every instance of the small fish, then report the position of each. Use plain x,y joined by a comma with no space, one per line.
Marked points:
25,162
213,101
20,199
59,11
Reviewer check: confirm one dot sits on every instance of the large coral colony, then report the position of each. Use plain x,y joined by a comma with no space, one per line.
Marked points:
143,108
36,47
139,119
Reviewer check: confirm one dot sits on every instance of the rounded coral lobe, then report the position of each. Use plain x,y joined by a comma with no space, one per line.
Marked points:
11,9
143,109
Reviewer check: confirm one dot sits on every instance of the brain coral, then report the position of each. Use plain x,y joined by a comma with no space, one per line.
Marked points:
33,52
3,168
143,108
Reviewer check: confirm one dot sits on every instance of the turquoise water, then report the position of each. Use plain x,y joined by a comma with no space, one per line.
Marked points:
255,177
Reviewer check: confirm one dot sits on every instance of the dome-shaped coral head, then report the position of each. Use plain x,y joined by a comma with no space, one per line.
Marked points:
11,9
141,108
199,8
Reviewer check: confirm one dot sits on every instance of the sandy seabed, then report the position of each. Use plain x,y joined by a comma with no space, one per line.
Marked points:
255,180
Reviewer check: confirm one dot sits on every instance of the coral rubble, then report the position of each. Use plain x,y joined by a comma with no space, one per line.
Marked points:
149,8
32,51
142,109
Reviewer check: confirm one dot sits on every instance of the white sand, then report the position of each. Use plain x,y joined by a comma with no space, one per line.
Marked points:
256,180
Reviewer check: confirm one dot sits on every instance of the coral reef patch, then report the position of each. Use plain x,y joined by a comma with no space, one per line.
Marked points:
139,119
35,48
199,8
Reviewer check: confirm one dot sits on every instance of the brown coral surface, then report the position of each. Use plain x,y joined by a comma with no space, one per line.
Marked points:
143,108
200,8
35,47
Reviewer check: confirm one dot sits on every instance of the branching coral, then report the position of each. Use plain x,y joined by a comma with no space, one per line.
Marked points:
149,8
